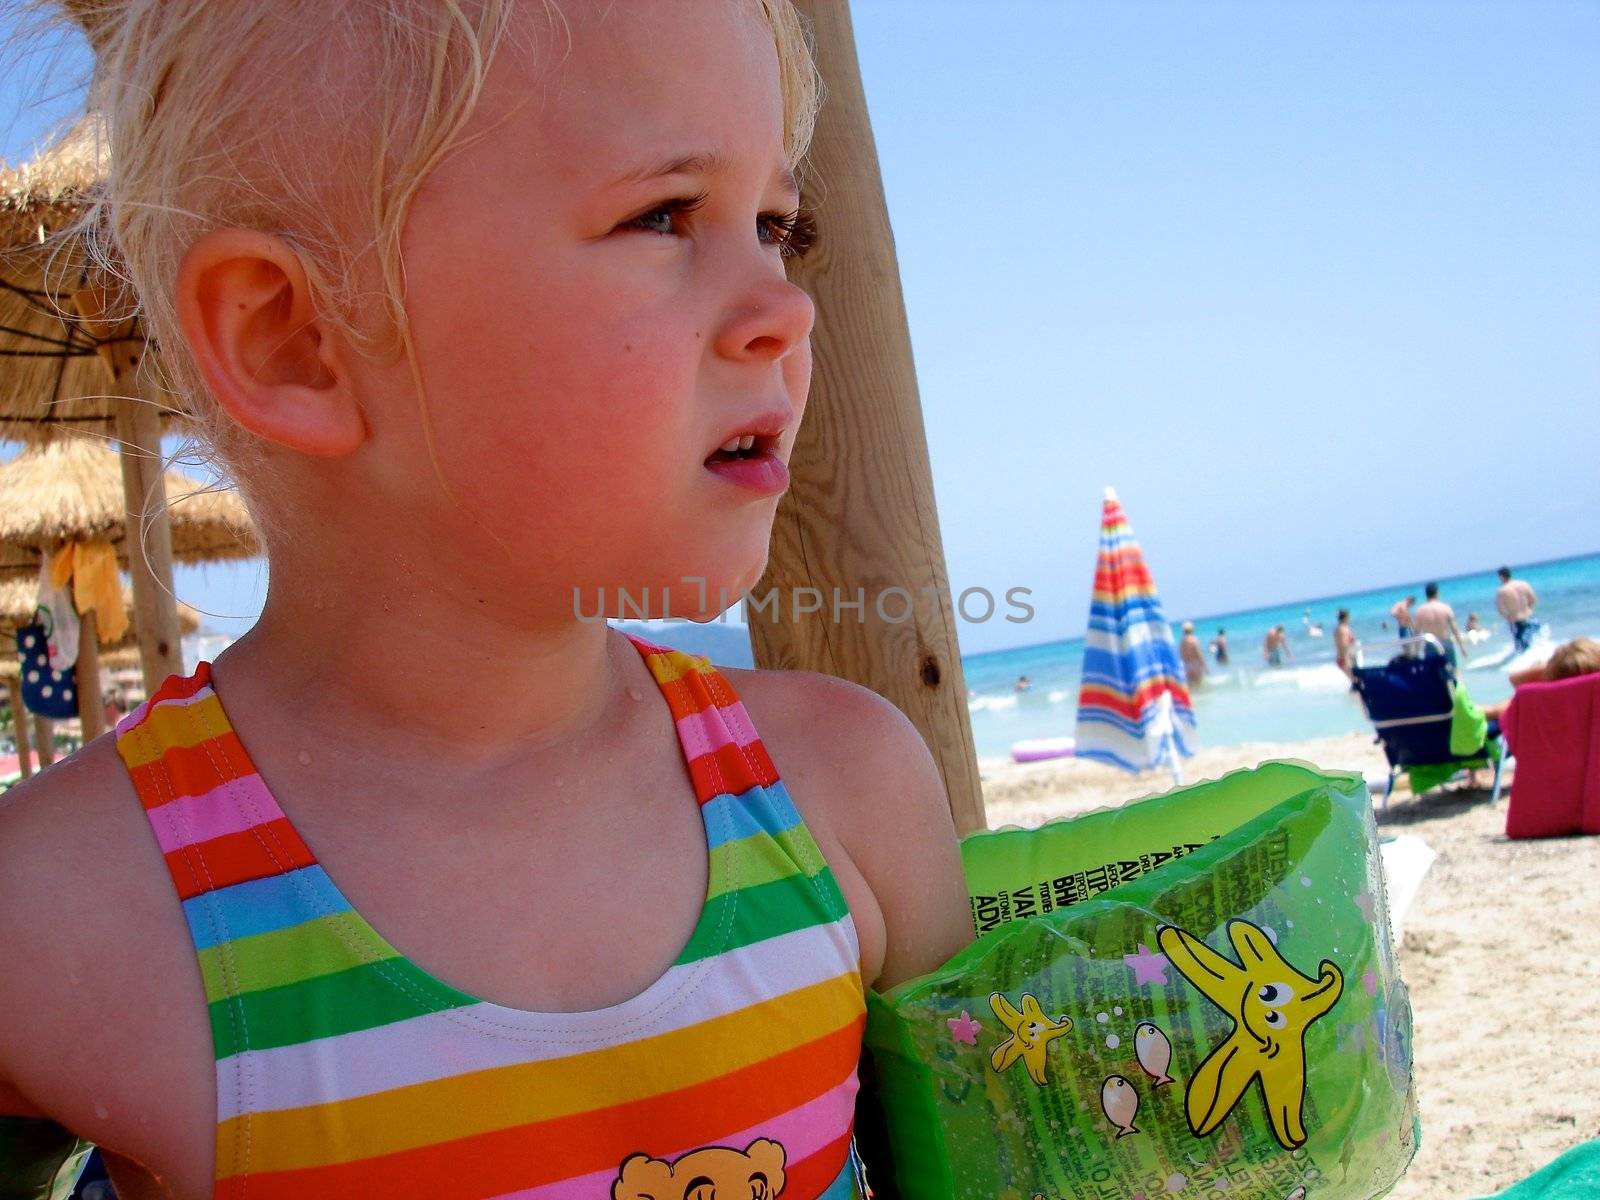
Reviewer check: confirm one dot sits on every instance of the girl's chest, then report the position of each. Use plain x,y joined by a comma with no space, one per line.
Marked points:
581,914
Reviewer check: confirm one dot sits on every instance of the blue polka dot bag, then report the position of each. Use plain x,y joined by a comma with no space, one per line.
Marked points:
46,691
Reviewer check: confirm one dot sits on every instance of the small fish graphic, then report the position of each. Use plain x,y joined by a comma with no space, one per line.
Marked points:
1121,1101
1154,1051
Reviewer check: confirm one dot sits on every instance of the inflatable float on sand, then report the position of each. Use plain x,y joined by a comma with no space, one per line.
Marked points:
1040,749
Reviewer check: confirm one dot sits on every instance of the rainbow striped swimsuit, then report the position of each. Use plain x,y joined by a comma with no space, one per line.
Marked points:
345,1070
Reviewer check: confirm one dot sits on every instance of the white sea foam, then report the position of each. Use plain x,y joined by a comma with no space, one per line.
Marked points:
1314,677
980,703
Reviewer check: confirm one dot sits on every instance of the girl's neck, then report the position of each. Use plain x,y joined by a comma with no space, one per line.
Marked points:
411,671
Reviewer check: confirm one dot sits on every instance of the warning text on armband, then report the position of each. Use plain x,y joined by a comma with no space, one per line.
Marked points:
1047,895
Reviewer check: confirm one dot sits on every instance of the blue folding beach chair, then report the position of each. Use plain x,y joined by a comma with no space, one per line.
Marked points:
1411,703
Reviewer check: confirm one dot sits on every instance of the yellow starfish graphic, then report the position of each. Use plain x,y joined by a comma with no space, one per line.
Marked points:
1271,1004
1031,1035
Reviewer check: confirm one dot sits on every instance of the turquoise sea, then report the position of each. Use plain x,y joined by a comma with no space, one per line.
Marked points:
1309,697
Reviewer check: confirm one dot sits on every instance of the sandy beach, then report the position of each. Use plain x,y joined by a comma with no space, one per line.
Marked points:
1498,950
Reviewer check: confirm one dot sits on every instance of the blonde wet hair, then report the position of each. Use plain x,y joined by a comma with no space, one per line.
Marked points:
219,113
1581,656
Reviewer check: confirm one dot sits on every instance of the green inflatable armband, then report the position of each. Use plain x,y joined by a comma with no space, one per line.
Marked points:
1192,996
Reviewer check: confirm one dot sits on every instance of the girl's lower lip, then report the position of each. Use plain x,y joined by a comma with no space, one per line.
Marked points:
764,473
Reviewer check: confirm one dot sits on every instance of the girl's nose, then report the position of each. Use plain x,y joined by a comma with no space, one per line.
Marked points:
770,320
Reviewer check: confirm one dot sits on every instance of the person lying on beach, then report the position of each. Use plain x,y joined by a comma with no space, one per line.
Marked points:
1581,656
482,305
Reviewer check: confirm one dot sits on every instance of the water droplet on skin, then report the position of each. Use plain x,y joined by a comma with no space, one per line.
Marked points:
303,758
635,694
101,1112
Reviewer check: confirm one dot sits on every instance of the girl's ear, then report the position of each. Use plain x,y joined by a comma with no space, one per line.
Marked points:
245,305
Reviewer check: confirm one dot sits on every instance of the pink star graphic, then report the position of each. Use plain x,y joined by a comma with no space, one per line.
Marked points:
1147,967
964,1028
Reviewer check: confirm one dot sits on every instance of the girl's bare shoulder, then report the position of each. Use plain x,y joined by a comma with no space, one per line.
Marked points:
863,778
99,973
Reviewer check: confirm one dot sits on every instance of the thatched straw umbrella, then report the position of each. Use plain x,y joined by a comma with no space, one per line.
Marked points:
69,490
70,363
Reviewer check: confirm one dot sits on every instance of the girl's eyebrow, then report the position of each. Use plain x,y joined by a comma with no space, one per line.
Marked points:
704,163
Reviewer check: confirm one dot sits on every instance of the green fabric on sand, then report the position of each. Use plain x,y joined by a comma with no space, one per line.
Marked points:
1573,1176
1469,728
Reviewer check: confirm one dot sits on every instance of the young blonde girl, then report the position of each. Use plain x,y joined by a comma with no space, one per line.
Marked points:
427,887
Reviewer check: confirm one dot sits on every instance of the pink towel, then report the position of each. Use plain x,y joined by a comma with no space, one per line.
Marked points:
1554,731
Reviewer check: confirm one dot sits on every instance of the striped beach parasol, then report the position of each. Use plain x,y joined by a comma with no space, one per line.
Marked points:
1133,707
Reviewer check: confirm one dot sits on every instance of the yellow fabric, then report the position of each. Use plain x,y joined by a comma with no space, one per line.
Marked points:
96,584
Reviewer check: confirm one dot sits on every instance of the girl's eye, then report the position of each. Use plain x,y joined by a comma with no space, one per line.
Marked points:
665,218
793,233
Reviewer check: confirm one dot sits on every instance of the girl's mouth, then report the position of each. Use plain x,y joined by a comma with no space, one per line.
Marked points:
750,462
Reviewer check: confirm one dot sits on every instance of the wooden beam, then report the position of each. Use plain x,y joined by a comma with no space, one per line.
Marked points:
19,727
859,513
155,606
91,709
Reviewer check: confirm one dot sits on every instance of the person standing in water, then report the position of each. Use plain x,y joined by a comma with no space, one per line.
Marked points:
1515,601
1219,647
1344,643
1401,612
1194,659
1438,619
1275,649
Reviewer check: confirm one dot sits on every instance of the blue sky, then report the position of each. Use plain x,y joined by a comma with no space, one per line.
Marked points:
1316,286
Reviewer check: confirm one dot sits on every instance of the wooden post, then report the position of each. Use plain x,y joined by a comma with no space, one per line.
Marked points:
44,732
91,710
859,513
149,536
19,726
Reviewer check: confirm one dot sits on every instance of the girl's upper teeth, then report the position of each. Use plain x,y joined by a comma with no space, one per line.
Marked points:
738,443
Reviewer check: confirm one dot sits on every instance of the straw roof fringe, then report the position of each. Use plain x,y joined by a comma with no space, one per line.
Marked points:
53,188
50,373
70,488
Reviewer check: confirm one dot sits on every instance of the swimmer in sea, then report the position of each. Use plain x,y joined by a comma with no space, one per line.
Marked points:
1275,649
